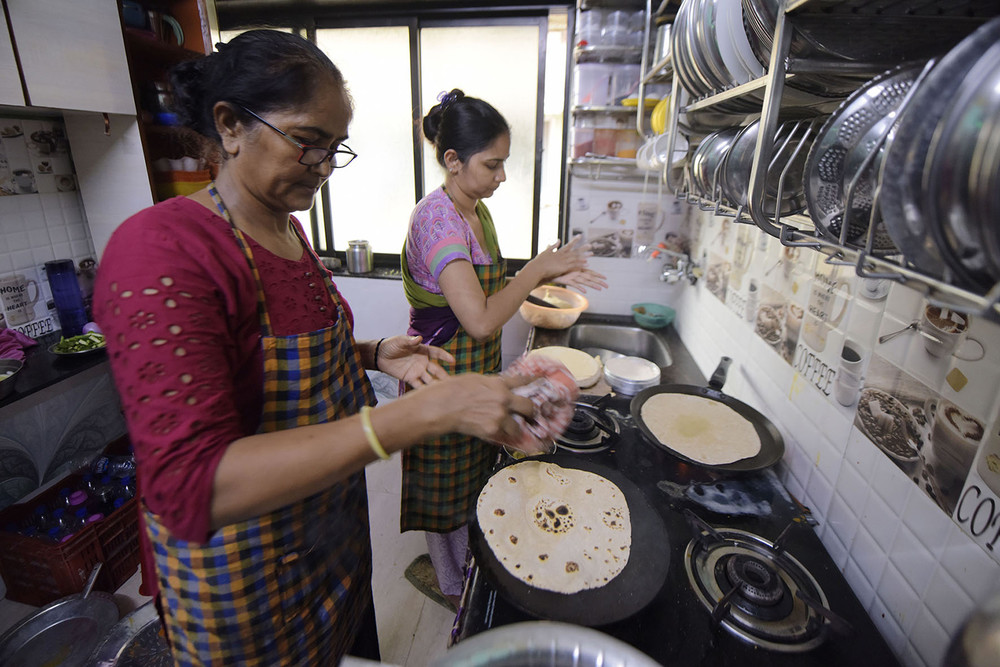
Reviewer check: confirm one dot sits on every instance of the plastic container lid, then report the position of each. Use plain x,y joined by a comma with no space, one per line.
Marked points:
77,498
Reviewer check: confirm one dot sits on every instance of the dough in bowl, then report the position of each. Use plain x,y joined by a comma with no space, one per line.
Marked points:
699,428
586,369
560,529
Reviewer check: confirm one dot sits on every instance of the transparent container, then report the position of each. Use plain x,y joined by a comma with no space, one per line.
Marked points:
592,84
624,82
626,142
615,31
583,136
606,137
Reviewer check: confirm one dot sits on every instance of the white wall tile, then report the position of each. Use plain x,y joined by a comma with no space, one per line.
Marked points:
898,598
859,582
841,521
928,523
912,559
878,518
969,565
946,600
929,638
889,482
853,488
868,555
884,620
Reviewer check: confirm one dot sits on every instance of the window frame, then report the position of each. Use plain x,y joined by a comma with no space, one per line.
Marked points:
307,21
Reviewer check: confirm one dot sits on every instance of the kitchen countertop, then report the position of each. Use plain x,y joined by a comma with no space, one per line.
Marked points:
43,368
682,370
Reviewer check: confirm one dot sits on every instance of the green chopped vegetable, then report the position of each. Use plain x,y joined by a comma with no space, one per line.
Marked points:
81,343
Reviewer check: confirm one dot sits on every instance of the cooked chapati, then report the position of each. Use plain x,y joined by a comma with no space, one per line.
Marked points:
560,529
700,428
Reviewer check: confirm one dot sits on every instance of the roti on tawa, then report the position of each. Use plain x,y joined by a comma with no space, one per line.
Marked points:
700,428
586,369
560,529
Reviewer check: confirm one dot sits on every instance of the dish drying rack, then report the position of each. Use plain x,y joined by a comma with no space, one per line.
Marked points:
798,230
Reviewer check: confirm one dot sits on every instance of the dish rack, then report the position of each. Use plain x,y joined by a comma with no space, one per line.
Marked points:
799,230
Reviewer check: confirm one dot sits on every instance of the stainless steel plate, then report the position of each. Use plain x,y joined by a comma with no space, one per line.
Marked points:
64,633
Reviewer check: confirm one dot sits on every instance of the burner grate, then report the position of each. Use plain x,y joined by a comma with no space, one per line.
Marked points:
754,590
592,429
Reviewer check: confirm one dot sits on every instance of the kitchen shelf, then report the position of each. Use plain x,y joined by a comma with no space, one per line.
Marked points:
799,230
603,110
611,54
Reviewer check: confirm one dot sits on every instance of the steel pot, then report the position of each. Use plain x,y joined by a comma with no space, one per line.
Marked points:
359,256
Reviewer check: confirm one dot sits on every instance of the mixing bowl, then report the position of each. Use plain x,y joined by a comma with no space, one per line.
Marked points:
570,303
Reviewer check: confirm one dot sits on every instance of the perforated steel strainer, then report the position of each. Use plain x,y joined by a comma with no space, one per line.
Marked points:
842,153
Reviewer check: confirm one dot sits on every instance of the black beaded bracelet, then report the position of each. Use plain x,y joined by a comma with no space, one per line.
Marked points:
377,346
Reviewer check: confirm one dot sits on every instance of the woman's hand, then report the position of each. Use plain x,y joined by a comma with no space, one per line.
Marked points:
406,358
582,279
556,261
482,406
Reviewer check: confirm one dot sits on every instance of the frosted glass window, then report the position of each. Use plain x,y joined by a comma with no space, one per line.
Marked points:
497,63
372,197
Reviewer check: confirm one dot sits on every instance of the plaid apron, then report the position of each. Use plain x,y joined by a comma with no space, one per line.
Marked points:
442,478
289,587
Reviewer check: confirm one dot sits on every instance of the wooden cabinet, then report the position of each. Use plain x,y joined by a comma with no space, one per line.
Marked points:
150,59
11,92
72,55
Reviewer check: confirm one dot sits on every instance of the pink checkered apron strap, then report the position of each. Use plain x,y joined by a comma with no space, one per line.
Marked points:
288,587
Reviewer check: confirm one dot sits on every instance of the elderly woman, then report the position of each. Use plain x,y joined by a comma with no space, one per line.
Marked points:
243,387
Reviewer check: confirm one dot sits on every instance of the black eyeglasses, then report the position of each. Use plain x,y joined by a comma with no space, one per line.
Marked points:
313,155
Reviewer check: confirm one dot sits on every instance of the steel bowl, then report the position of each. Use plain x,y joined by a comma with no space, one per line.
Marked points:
12,366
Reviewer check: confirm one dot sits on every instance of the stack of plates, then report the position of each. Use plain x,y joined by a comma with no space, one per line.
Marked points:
712,53
940,177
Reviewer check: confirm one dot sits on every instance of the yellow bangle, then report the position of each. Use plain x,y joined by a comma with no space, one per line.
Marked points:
373,442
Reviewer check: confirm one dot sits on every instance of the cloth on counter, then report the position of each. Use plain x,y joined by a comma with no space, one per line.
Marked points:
13,344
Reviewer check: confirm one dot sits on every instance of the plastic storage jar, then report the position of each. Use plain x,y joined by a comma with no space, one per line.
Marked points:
606,137
592,83
588,31
615,30
626,142
583,136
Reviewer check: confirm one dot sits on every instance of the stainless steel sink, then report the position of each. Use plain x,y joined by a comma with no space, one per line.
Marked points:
609,340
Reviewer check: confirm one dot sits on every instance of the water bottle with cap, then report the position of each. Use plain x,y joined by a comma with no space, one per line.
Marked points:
115,466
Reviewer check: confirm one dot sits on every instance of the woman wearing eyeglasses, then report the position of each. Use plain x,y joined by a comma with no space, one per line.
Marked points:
456,283
243,387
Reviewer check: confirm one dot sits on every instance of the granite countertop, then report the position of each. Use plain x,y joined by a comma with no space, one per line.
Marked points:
43,368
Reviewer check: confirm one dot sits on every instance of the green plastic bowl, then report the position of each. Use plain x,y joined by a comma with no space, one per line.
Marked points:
652,315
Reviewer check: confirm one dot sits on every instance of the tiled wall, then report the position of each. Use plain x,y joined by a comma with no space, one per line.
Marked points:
44,220
888,524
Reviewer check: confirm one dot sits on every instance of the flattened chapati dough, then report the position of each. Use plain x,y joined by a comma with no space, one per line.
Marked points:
586,369
700,428
560,529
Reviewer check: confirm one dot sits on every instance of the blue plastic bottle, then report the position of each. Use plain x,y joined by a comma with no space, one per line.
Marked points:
67,295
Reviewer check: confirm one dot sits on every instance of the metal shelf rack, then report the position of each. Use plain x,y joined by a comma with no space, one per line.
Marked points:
799,230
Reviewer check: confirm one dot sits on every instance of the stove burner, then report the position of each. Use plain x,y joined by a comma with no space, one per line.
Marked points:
753,590
592,429
757,582
582,426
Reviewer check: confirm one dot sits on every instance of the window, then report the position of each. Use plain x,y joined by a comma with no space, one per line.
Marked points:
394,72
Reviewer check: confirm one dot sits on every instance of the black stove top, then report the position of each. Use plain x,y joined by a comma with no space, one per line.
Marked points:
788,605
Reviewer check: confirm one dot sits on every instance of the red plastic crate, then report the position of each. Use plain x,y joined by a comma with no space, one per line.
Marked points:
38,572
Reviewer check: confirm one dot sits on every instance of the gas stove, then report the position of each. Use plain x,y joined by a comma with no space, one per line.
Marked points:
749,581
